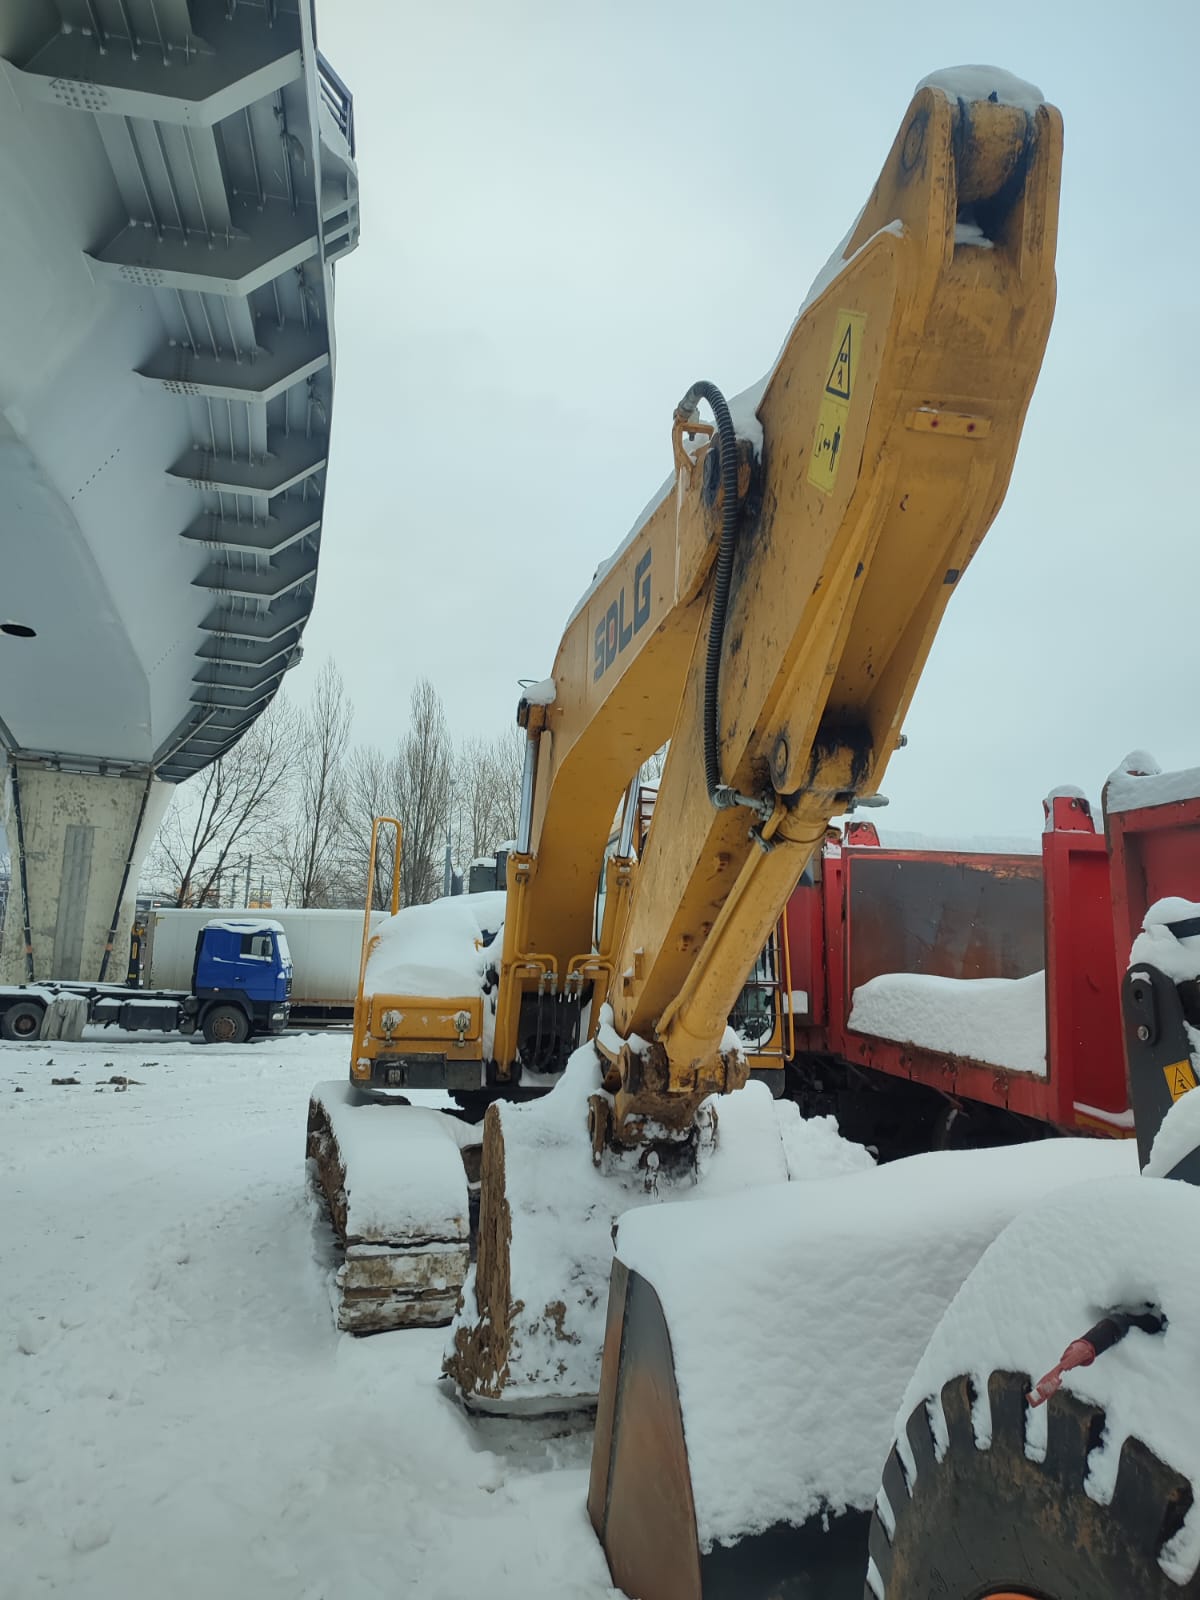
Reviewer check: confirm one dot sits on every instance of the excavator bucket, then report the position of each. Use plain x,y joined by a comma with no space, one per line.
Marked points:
950,269
640,1499
758,1348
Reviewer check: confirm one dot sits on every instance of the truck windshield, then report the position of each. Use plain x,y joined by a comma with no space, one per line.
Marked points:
281,945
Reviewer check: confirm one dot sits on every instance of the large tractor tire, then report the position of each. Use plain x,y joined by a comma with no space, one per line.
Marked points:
22,1021
993,1522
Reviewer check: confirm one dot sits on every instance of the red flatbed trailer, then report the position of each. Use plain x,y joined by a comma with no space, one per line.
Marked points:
1071,912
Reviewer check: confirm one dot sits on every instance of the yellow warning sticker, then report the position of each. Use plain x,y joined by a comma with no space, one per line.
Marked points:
836,399
1180,1078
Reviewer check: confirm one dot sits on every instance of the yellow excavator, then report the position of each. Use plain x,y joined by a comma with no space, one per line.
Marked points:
768,617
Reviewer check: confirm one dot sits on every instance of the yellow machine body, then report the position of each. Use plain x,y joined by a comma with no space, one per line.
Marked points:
891,423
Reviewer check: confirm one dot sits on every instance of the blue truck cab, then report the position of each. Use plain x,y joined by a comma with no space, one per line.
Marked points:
241,979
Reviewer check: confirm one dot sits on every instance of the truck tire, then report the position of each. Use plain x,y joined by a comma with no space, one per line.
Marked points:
22,1020
993,1522
226,1025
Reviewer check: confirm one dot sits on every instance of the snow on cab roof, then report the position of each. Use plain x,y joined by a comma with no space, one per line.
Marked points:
436,950
245,925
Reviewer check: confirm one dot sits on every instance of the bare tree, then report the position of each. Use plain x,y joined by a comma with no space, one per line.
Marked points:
423,773
472,797
309,851
227,811
369,791
414,784
508,764
487,792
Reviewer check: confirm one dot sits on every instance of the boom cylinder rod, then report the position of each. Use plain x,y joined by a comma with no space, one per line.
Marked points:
629,817
528,776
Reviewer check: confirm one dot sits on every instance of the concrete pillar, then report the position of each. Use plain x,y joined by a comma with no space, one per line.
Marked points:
78,831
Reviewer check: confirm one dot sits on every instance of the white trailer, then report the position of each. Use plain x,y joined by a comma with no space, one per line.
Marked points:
325,948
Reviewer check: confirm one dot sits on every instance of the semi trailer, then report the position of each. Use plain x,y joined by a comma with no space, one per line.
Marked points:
237,984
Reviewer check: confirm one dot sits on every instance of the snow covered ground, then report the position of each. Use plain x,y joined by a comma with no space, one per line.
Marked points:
175,1400
177,1410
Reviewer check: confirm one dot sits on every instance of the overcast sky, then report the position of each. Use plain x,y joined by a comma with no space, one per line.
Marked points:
571,212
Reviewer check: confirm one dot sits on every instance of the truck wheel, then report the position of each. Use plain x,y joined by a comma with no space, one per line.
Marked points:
22,1021
993,1522
226,1025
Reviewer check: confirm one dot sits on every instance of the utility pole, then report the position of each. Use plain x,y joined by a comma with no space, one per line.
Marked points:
246,896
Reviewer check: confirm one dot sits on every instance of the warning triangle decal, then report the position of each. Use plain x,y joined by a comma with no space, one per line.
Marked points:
839,375
1180,1079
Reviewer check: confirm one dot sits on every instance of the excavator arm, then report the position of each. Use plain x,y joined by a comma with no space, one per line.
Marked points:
771,612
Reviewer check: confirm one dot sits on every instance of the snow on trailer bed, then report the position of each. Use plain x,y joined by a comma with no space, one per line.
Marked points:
998,1021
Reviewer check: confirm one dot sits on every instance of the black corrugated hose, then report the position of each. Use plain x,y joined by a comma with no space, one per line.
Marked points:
719,793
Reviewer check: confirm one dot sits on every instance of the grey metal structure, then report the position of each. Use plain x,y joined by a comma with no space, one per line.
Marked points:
178,180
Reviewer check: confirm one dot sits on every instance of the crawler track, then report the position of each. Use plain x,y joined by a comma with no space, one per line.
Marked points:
394,1182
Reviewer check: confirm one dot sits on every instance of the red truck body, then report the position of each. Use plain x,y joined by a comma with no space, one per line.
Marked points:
1071,913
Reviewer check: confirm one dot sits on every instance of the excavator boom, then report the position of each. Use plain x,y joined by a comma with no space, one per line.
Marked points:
769,616
850,499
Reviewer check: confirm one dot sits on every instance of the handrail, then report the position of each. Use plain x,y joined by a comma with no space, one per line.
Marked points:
338,100
376,825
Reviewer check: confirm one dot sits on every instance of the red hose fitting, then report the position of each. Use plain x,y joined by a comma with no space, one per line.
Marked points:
1110,1330
1079,1353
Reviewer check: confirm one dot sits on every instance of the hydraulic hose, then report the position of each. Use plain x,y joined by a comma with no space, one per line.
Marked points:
721,795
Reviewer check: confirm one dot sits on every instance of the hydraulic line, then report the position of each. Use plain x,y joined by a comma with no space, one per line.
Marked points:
727,440
1110,1330
721,794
